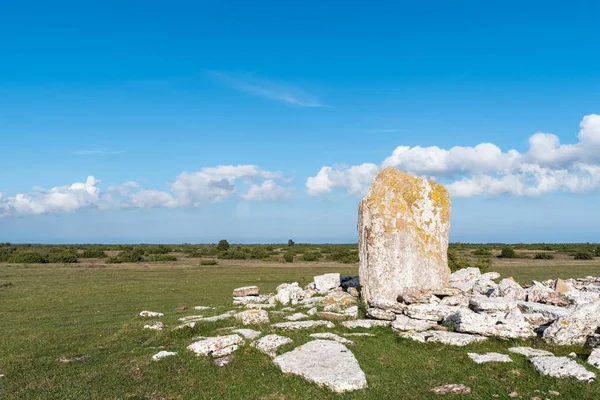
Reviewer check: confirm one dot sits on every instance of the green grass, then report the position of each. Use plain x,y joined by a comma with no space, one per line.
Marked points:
53,311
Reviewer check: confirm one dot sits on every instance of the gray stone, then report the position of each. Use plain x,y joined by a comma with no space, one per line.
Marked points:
464,279
353,292
430,312
348,282
332,316
403,225
593,341
153,314
351,312
488,357
288,292
376,313
248,333
484,286
253,317
326,282
575,327
296,317
451,388
203,308
413,296
338,301
222,361
163,354
529,352
594,358
326,363
359,334
299,325
449,338
216,347
332,336
388,305
260,306
510,289
562,367
542,294
270,343
547,310
365,323
246,291
404,323
455,301
537,319
491,304
243,300
507,326
155,326
312,312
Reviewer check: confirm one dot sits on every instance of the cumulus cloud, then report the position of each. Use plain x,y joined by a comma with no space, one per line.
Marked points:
190,189
547,166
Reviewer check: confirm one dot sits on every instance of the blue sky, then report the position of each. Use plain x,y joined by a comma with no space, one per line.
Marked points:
263,121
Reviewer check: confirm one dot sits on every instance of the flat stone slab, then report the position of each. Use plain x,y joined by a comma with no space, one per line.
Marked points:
263,306
547,310
246,291
155,326
326,363
451,388
378,313
594,358
250,299
270,343
326,282
332,336
449,338
153,314
365,323
492,304
253,317
529,352
296,317
216,347
248,333
298,325
489,357
562,367
404,323
203,308
163,354
359,334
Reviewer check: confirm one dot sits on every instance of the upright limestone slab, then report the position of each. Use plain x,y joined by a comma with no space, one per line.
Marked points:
403,228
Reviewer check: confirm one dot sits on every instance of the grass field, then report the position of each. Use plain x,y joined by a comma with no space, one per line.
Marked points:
86,308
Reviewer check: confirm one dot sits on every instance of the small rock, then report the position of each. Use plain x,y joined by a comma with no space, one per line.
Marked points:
529,352
359,334
288,292
492,304
404,323
561,286
575,327
250,300
352,312
430,312
513,394
253,317
151,314
246,291
353,292
376,313
449,338
594,358
340,299
222,361
326,282
365,323
260,306
163,354
79,357
270,343
451,388
203,308
573,355
332,316
248,333
593,341
156,326
312,311
294,326
489,357
561,367
553,393
464,279
331,336
510,289
388,305
296,317
216,347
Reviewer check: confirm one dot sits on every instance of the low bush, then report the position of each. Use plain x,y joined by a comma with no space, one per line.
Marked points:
311,256
28,257
161,257
65,257
288,257
544,256
484,264
583,255
455,262
598,251
482,252
209,262
508,252
93,253
234,254
160,249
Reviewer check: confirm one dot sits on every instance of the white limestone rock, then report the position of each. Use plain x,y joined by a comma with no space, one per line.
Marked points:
253,317
529,352
511,325
287,292
547,310
270,343
311,301
152,314
376,313
458,300
451,388
248,333
299,325
296,317
163,354
540,293
218,346
404,323
575,327
490,276
430,312
388,305
189,318
403,225
464,279
510,289
484,286
332,336
536,320
594,358
155,326
326,363
561,367
265,306
359,334
246,291
351,312
326,282
203,308
312,312
489,357
243,300
365,323
486,304
338,301
448,338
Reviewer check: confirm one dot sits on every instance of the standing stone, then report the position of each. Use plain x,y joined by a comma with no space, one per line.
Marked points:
403,228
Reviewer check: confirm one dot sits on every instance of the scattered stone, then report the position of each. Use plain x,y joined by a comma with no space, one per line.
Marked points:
287,292
537,319
449,338
246,291
288,309
404,323
203,308
575,327
163,354
547,310
270,343
156,326
151,314
540,293
529,352
260,306
365,323
513,394
510,289
572,354
222,361
294,326
326,282
403,228
216,347
593,341
76,358
296,317
430,312
358,334
553,393
243,300
488,357
451,388
484,286
326,363
377,313
186,325
332,316
331,336
253,317
507,326
248,333
490,276
455,301
492,304
311,301
387,305
561,367
464,279
190,318
416,296
312,312
353,292
338,301
352,312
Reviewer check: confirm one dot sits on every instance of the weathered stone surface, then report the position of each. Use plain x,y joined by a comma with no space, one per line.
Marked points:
529,352
351,312
296,317
332,316
542,294
260,306
507,326
218,346
412,296
484,286
449,338
353,292
326,363
562,367
222,361
253,317
593,341
155,326
163,354
260,299
248,333
298,325
151,314
455,301
380,314
326,282
332,336
451,388
486,304
488,357
547,310
404,323
464,279
430,312
313,311
270,343
359,334
365,323
561,286
338,301
287,292
203,308
510,289
537,319
403,228
575,327
189,318
594,358
246,291
388,305
490,276
312,301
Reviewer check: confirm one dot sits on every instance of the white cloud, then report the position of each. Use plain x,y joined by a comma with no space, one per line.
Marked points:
269,190
547,166
268,89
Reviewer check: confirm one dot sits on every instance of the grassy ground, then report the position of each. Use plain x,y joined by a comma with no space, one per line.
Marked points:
53,311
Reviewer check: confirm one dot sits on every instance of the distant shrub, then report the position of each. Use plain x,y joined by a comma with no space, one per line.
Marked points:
291,243
482,252
269,248
508,252
311,256
598,251
65,257
344,256
223,245
583,255
161,257
128,256
258,253
93,253
455,262
235,254
160,249
28,257
544,256
209,262
288,257
113,260
484,263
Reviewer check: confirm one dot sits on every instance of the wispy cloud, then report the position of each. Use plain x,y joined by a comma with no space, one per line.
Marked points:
90,152
268,89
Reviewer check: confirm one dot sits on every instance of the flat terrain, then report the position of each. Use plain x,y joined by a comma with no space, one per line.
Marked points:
91,308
